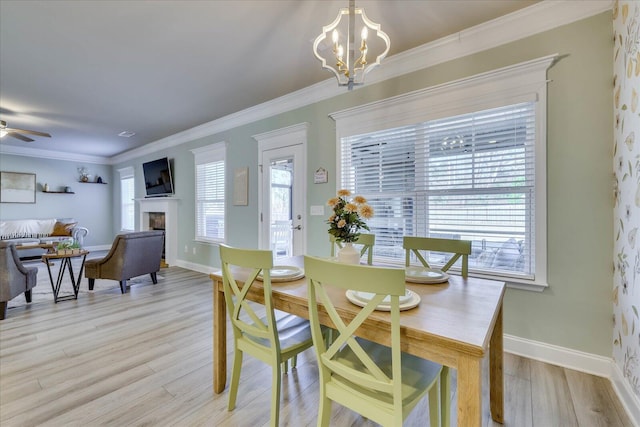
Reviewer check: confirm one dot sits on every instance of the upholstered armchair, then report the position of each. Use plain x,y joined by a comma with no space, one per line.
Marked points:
15,278
132,254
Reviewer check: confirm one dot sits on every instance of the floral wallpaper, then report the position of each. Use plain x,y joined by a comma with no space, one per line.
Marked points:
626,154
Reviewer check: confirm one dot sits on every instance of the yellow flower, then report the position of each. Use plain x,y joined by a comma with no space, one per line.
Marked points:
350,207
347,219
366,211
359,200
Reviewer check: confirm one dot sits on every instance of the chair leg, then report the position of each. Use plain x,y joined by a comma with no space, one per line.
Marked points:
445,396
3,309
27,295
92,283
123,286
235,379
276,385
324,411
154,278
434,407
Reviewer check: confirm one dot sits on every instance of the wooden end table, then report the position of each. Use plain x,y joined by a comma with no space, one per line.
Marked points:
65,265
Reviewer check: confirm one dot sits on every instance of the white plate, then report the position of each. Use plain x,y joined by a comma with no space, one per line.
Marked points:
284,273
408,301
425,275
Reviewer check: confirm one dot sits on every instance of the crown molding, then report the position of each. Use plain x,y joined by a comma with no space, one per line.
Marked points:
526,22
53,155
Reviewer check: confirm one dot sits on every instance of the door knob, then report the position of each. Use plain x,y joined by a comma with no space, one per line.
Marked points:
297,227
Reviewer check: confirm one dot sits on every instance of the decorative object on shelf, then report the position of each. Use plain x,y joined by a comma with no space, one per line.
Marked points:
68,189
346,222
84,174
45,187
350,71
17,187
99,180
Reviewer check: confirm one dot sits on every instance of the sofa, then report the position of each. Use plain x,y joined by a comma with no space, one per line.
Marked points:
30,232
132,254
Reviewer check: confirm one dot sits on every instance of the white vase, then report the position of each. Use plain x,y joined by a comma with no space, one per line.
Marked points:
348,254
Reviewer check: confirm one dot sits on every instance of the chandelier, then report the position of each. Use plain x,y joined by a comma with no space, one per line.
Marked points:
349,69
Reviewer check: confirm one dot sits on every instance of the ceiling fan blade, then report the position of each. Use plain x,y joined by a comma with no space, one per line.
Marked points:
30,132
20,137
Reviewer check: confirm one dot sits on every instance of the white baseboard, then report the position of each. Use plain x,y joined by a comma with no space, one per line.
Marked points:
579,361
560,356
627,397
205,269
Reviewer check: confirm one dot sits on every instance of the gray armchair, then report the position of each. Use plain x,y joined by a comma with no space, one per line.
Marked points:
14,277
131,255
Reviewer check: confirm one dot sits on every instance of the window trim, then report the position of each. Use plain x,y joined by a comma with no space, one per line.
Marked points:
526,81
207,154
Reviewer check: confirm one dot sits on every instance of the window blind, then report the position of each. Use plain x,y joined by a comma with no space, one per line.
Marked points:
210,192
470,177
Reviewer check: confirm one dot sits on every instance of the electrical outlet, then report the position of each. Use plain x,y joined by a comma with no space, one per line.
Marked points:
186,249
194,250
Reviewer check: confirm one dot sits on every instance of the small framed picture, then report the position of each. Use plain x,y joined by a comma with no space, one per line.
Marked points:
241,187
17,187
320,176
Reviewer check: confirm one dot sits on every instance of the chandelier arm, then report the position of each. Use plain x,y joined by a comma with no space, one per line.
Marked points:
349,70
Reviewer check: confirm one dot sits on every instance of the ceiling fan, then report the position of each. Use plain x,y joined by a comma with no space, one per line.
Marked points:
17,133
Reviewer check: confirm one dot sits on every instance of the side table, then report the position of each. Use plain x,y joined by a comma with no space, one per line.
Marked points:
65,264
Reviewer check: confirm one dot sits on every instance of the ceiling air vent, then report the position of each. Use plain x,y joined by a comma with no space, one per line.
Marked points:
126,134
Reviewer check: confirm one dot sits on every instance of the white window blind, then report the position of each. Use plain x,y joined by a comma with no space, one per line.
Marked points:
127,202
210,192
471,177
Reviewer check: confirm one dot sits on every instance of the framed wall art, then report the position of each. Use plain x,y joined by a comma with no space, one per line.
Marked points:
241,187
17,187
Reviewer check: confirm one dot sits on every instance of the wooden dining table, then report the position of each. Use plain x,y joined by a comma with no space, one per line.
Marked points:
456,324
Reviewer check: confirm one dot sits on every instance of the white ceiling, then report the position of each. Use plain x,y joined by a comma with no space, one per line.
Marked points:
85,71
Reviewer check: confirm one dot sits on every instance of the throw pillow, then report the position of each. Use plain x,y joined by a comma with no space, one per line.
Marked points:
62,229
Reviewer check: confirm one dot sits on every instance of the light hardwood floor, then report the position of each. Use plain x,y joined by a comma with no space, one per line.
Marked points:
145,359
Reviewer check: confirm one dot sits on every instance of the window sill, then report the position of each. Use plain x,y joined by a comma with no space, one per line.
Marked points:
515,283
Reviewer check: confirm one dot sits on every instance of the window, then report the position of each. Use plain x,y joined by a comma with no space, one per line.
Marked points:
210,192
127,202
472,169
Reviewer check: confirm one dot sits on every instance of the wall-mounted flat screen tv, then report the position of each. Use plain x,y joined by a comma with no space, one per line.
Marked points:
157,178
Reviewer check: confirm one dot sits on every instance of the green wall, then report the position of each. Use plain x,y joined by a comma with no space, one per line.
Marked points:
575,311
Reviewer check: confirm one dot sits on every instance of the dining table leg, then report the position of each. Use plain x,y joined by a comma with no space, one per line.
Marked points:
496,374
219,339
469,391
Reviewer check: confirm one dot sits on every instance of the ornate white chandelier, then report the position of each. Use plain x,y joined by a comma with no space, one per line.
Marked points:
351,70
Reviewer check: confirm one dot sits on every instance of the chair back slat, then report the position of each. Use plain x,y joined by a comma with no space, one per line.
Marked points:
458,249
236,291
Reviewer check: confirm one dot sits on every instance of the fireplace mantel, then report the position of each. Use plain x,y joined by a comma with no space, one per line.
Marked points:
169,206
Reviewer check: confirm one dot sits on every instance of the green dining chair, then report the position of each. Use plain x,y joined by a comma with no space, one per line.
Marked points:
458,248
274,338
381,383
366,240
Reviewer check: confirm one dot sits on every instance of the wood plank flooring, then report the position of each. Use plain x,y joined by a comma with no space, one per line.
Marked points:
145,359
